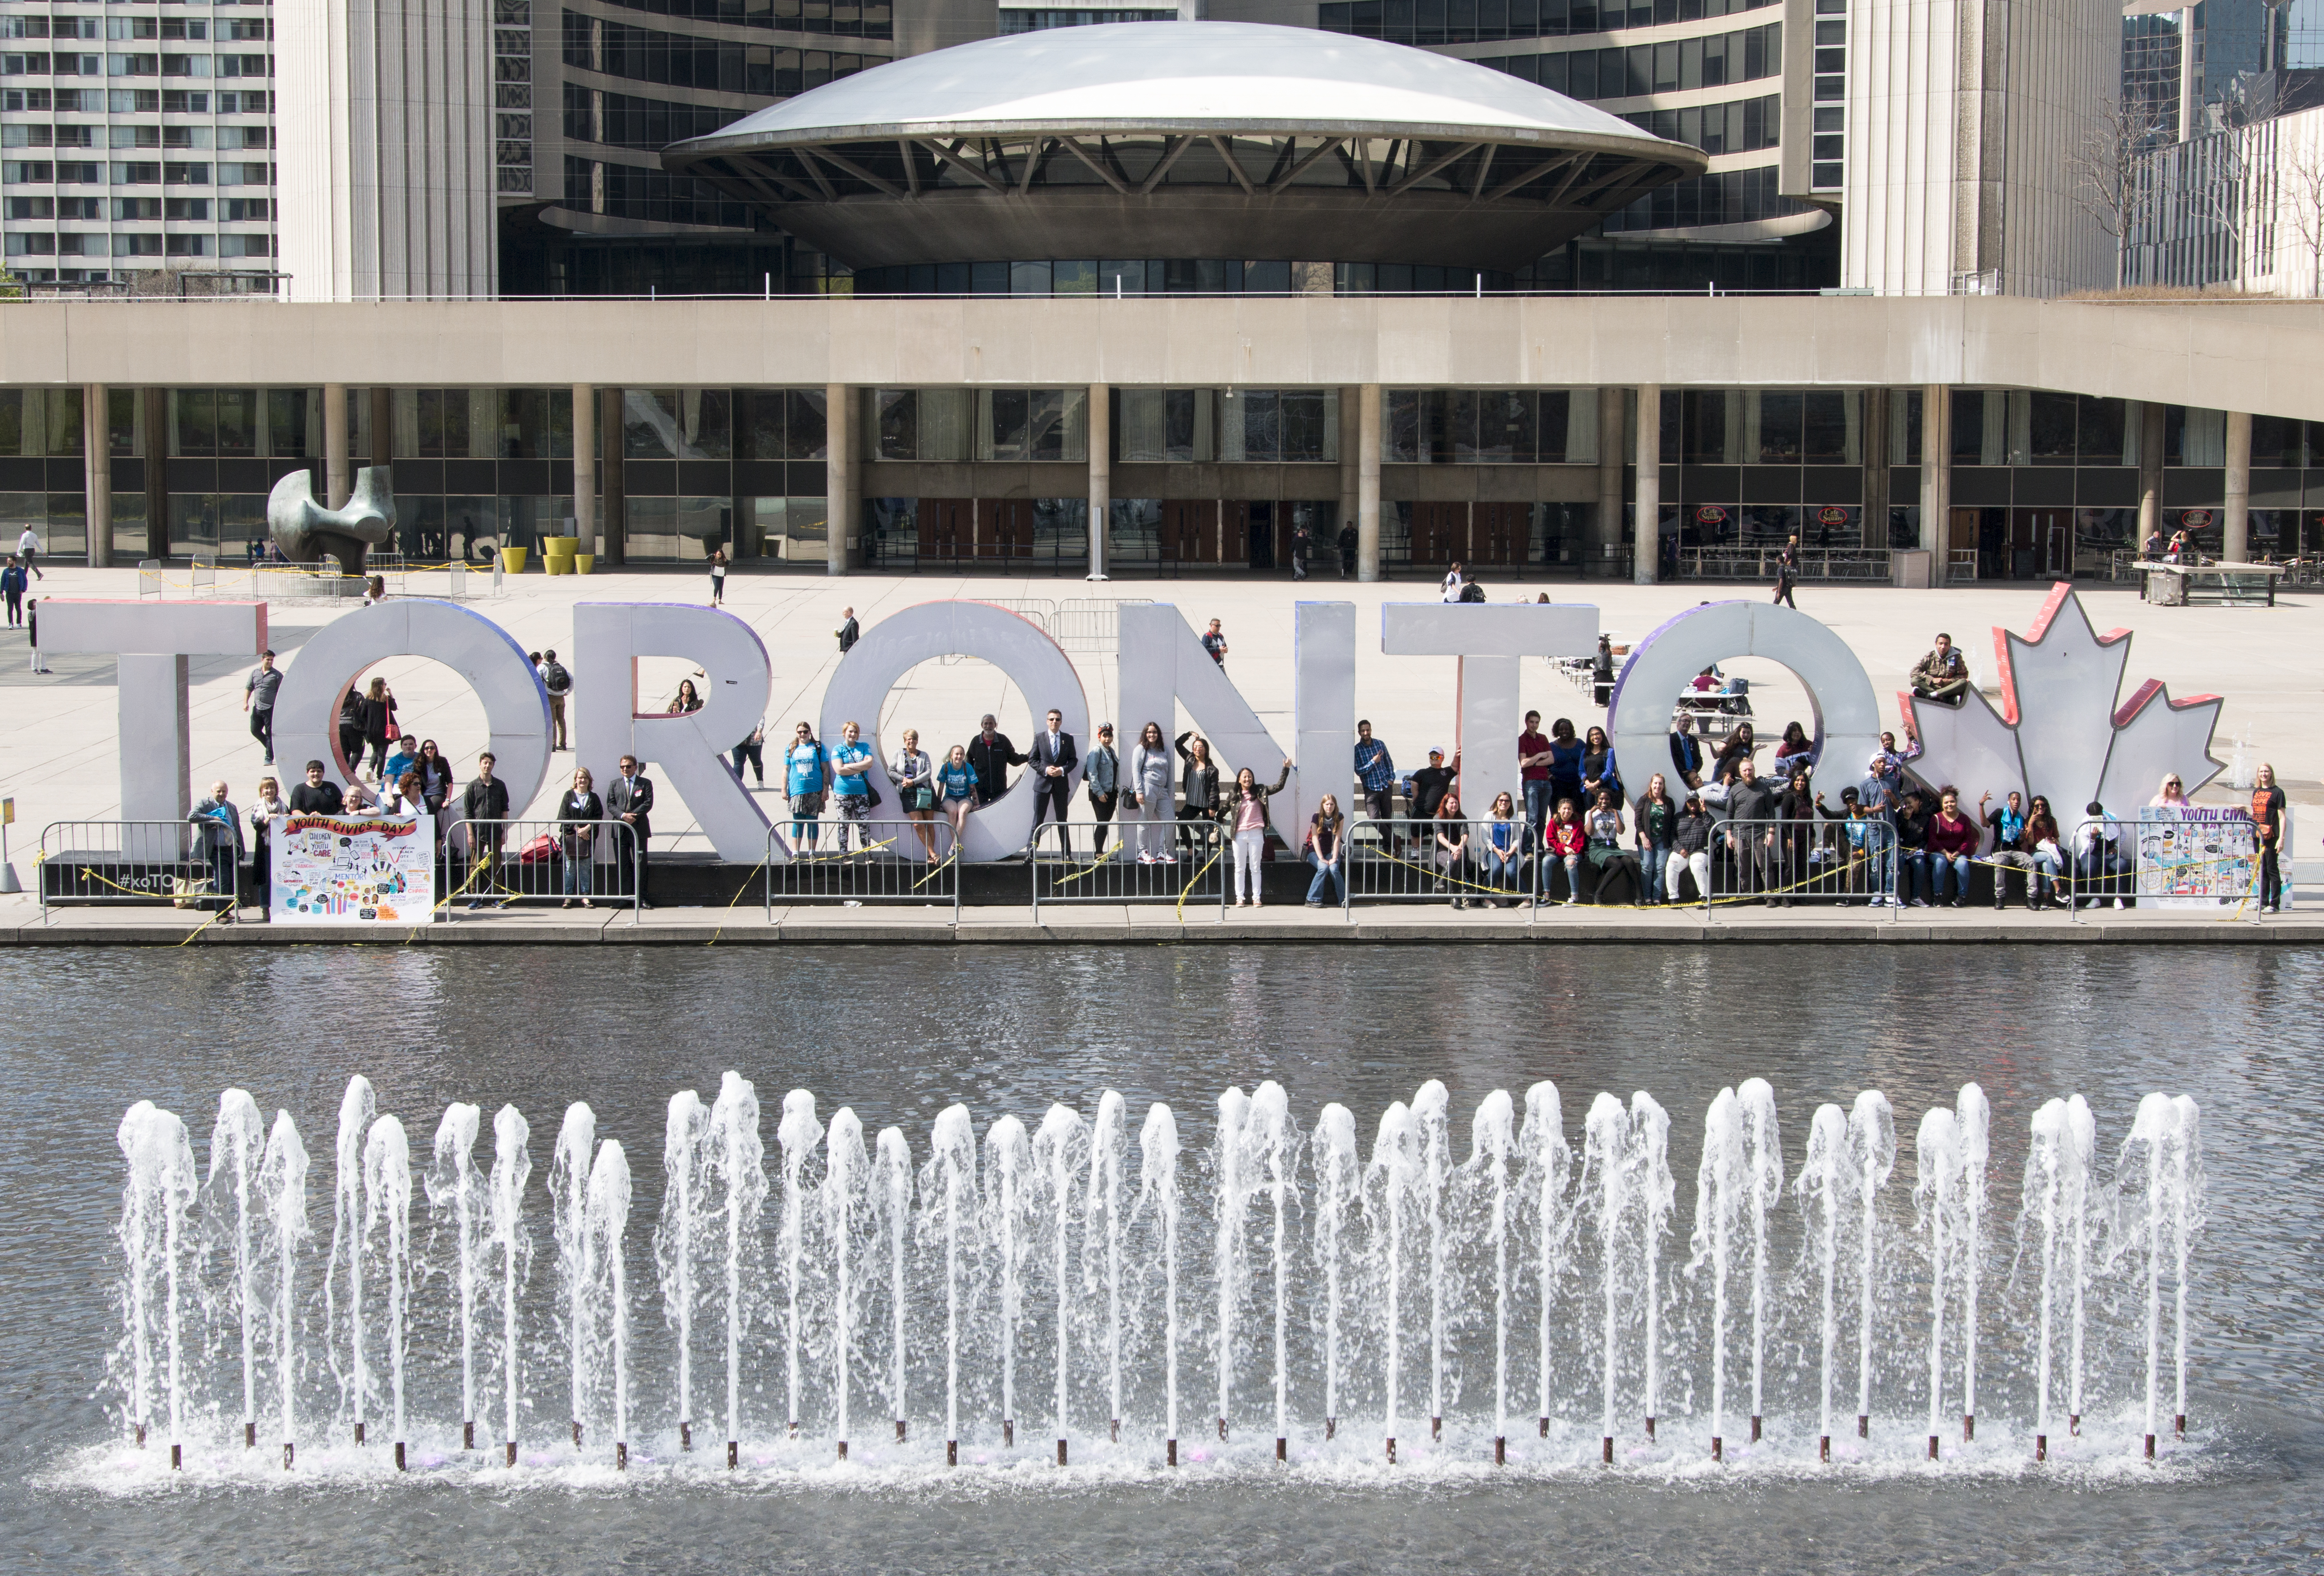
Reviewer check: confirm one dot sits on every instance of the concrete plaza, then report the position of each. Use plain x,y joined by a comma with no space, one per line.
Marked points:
58,750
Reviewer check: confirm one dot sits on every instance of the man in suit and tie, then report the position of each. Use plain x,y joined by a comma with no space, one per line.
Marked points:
629,798
1053,760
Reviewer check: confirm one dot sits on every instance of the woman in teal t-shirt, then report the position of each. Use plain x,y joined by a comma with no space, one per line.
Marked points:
956,791
850,772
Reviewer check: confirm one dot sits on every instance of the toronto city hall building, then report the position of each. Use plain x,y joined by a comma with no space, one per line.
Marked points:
1552,287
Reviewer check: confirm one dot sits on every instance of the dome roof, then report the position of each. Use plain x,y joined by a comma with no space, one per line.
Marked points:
1165,76
1184,140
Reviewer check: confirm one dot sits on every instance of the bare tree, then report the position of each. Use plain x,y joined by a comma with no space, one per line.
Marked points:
2299,168
2110,166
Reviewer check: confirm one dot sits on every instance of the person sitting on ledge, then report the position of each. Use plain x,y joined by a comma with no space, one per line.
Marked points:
1941,675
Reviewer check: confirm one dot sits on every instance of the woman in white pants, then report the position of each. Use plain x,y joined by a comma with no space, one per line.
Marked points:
1147,787
1690,850
1245,809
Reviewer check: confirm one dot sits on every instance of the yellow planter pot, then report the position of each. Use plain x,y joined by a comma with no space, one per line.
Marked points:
512,559
583,562
557,563
559,546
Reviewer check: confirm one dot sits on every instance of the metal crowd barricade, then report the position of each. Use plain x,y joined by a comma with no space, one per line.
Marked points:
500,862
1404,860
2160,857
1090,624
1081,863
121,863
851,862
1821,862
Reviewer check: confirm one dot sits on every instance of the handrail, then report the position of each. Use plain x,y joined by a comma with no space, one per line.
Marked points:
538,860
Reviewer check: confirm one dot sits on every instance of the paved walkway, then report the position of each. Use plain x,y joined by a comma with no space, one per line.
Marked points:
58,750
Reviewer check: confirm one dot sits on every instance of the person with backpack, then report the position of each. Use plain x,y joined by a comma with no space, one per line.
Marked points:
557,680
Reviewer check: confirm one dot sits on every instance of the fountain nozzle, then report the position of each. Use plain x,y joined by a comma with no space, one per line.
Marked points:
1968,1426
1061,1453
1391,1451
467,1437
359,1431
177,1460
250,1435
512,1451
733,1454
1170,1452
398,1456
1436,1431
1608,1450
2150,1447
1933,1447
1755,1430
1501,1452
1282,1449
2179,1425
1824,1448
951,1453
1718,1448
1863,1427
2040,1447
289,1450
900,1431
685,1436
621,1455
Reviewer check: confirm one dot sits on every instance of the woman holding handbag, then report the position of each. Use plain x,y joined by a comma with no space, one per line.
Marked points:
577,813
914,775
379,726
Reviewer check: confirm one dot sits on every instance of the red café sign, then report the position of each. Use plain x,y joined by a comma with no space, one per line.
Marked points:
1709,514
2195,518
1831,514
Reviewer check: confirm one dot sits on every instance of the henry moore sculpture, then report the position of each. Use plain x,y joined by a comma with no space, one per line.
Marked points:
306,531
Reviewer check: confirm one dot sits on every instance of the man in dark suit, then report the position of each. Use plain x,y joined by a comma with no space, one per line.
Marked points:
1053,761
629,798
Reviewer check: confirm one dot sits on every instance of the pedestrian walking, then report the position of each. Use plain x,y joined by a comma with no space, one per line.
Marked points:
1347,552
753,750
28,553
379,725
1214,642
1787,571
12,588
1302,540
557,680
258,699
848,631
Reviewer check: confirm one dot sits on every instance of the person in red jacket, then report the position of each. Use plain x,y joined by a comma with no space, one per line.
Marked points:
1953,840
1565,841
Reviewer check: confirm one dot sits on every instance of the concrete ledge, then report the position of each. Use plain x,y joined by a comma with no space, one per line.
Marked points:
1114,925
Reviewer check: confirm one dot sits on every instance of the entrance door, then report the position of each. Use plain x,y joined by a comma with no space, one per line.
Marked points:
1499,533
1440,532
1004,527
948,527
1190,530
1262,534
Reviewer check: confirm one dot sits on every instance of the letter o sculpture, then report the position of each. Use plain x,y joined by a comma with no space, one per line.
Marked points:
516,708
1660,668
896,645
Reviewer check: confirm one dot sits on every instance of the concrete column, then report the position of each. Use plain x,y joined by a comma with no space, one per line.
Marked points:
1351,401
1608,530
2187,101
1877,459
1936,475
97,459
1367,483
1100,475
383,426
337,480
613,513
2236,548
1645,556
839,471
2150,468
157,471
584,466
